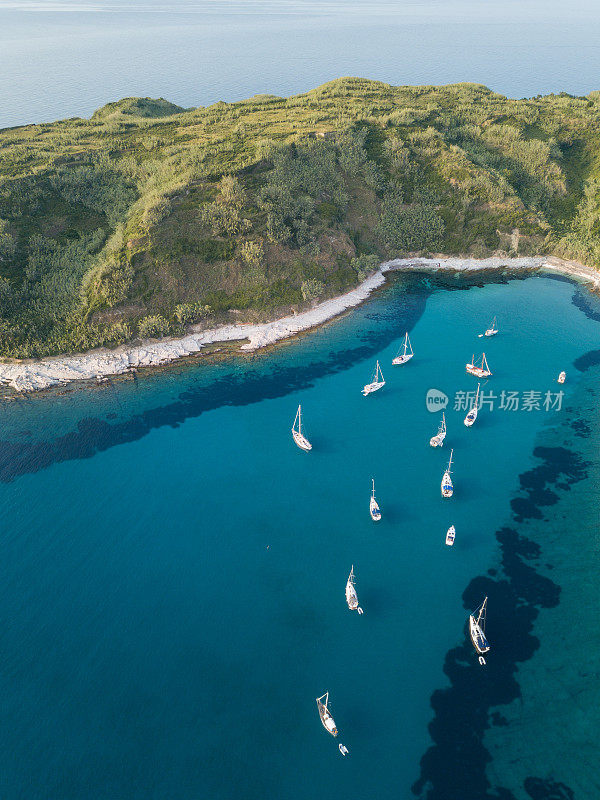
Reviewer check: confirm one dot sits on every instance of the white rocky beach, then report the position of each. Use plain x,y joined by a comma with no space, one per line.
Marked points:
28,376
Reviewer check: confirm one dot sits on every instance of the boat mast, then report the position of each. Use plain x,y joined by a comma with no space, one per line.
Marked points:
373,494
482,614
477,396
299,420
450,462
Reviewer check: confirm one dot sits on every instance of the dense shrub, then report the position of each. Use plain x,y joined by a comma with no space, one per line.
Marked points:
312,289
186,313
154,325
411,228
97,187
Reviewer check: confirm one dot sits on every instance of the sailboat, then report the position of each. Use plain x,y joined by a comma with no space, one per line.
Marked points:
351,596
472,415
299,437
450,535
562,377
491,331
405,353
477,631
438,439
377,382
447,487
373,507
482,371
325,714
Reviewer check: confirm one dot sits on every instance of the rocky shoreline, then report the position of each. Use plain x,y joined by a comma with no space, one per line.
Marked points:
29,376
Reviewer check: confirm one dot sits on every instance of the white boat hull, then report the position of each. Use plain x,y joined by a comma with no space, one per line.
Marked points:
450,536
480,643
301,441
374,510
477,371
326,719
471,417
437,440
402,359
447,487
351,597
562,377
490,332
372,387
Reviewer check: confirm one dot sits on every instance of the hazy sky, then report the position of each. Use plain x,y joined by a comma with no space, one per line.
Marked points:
502,10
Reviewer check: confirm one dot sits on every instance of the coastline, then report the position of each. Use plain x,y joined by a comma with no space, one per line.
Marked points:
33,376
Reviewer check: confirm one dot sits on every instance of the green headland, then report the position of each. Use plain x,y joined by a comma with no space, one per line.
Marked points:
148,218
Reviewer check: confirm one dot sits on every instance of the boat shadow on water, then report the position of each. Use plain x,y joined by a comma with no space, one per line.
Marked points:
379,603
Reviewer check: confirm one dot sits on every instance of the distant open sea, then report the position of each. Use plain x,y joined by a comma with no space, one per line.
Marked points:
173,567
64,58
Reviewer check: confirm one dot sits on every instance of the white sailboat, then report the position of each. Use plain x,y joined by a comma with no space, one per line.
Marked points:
491,331
377,383
562,377
472,415
447,487
374,510
351,596
343,749
325,715
299,437
477,631
479,370
405,353
438,439
450,535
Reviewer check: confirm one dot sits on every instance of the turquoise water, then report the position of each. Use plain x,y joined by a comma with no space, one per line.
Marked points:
68,58
173,569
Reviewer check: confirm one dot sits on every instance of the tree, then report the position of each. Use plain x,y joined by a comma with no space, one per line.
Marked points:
8,244
153,326
312,289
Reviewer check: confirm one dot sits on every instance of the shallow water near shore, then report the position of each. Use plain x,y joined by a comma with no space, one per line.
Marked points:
173,570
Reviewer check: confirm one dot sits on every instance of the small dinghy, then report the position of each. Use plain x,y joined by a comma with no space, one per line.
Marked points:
477,631
374,510
472,415
377,383
438,439
491,331
479,370
351,596
447,487
299,437
325,715
562,377
450,535
343,749
405,353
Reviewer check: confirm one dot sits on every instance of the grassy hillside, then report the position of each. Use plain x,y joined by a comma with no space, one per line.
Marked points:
149,217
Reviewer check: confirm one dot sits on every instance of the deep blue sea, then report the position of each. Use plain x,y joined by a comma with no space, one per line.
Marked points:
173,567
65,58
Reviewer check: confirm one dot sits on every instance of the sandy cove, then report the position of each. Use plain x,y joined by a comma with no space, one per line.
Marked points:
29,376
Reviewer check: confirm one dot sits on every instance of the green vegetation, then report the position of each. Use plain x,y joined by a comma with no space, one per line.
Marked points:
148,217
